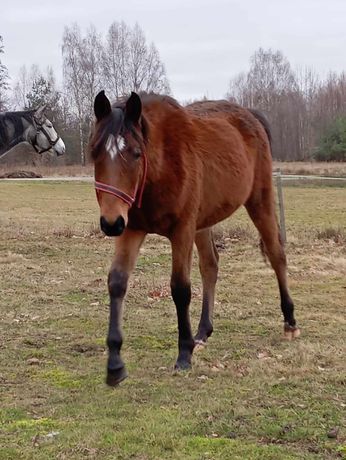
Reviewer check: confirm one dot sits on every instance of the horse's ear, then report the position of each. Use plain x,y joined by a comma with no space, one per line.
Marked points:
39,112
133,108
102,106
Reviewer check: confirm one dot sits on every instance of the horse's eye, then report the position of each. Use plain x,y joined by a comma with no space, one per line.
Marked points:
137,152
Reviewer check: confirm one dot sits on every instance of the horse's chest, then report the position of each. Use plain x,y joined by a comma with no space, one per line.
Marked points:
151,221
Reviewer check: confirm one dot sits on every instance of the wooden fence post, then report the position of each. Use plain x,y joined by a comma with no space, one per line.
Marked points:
281,206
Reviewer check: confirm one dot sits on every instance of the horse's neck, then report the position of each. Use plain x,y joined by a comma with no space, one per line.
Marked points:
13,132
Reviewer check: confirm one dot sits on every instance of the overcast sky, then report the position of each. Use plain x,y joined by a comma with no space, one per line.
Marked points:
203,43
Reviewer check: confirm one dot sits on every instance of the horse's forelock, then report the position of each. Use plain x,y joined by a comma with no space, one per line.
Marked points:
103,129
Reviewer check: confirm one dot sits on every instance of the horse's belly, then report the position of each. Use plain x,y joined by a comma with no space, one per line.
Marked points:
221,200
219,213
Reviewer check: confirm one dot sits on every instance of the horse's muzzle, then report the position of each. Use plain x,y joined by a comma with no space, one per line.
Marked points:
114,229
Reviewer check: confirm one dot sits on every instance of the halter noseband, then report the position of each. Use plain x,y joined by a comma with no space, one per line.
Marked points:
41,129
128,199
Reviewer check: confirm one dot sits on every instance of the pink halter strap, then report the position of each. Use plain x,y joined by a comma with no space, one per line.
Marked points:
128,199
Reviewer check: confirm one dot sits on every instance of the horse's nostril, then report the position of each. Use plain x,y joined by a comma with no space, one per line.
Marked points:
120,223
103,224
114,229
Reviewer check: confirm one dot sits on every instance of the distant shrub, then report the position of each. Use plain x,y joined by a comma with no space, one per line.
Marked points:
234,234
336,234
333,144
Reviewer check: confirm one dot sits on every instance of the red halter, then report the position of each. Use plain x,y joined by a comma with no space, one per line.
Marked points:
128,199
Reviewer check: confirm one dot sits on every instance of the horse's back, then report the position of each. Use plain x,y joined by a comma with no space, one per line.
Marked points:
251,123
244,167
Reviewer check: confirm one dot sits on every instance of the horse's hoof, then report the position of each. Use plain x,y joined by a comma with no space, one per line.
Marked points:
202,336
182,366
115,376
200,344
291,333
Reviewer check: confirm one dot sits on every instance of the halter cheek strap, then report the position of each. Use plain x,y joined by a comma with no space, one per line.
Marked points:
128,199
41,129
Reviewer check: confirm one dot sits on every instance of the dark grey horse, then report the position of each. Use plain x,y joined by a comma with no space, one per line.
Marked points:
30,126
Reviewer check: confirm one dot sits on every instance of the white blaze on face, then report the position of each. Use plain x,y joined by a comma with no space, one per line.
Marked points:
110,146
120,143
113,147
59,147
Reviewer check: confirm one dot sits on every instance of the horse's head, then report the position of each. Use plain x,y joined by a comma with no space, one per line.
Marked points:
45,136
117,146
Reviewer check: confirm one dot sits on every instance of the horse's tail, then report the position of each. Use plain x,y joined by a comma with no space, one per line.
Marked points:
264,122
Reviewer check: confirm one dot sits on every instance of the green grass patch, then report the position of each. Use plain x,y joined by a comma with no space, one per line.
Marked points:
250,394
61,378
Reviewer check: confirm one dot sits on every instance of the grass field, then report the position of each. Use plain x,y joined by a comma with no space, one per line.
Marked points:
250,395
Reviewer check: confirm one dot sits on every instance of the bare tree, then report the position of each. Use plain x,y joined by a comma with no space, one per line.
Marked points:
129,64
238,90
300,107
21,88
91,64
309,85
4,80
23,85
124,63
330,101
81,69
270,86
74,76
116,58
329,105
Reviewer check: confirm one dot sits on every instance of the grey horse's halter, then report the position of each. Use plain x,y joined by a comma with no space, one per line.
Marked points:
41,129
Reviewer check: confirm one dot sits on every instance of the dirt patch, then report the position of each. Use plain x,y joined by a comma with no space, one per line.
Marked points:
21,175
87,349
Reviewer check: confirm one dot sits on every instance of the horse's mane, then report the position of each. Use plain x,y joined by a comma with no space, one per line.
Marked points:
16,119
147,98
153,97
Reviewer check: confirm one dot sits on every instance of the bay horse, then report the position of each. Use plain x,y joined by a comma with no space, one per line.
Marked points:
30,126
174,171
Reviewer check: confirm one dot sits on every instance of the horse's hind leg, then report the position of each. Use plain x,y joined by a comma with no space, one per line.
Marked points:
262,212
182,246
208,267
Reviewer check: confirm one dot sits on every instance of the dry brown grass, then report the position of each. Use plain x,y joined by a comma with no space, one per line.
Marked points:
331,169
250,395
336,234
232,234
52,171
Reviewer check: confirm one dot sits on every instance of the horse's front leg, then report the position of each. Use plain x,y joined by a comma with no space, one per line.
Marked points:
182,245
126,251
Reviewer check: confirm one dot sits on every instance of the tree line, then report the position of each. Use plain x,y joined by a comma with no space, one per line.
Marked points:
307,114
